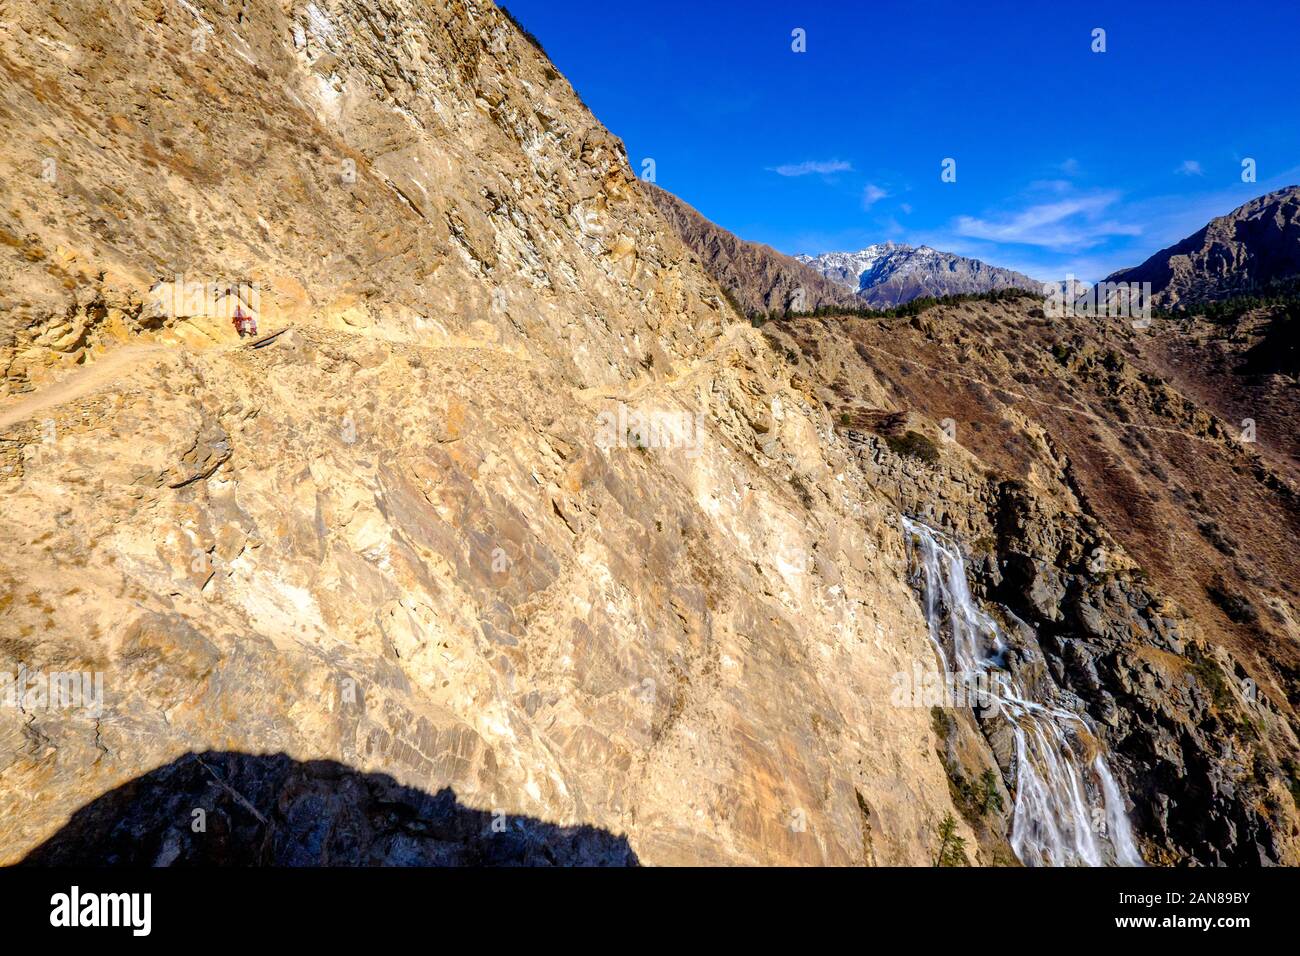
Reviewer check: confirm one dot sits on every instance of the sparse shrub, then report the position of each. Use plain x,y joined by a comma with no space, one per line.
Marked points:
1238,608
1212,533
939,721
732,301
1209,674
801,489
991,797
523,31
913,445
1293,778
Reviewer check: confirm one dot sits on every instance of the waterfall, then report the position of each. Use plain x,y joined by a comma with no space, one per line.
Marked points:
1068,810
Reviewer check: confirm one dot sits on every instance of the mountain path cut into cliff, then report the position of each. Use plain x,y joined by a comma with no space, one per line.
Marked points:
79,383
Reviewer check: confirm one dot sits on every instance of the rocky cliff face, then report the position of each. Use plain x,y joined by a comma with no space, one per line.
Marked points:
517,509
1248,250
761,280
889,273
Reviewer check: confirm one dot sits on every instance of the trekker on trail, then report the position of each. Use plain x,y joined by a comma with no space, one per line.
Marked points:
244,324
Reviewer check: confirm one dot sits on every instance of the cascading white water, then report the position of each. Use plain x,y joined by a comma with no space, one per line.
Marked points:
1068,808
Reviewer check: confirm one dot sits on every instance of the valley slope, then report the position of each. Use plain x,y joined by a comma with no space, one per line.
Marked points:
762,280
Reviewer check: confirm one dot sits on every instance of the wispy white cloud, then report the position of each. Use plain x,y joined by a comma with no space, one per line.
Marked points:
1067,225
1190,167
871,195
1037,263
1165,219
892,228
1070,167
819,167
1051,185
1048,232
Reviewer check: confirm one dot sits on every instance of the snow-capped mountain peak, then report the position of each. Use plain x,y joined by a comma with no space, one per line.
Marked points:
890,273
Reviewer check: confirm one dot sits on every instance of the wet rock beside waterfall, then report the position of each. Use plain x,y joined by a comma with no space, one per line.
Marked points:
1037,582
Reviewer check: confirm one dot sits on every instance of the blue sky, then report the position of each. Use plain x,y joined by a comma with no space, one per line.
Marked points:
1066,159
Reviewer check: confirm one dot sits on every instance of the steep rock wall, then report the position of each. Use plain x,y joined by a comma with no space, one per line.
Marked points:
394,538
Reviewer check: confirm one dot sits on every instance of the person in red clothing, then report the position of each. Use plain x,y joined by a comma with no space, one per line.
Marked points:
244,324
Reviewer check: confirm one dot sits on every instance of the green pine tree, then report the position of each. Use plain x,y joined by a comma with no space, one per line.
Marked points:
992,802
952,848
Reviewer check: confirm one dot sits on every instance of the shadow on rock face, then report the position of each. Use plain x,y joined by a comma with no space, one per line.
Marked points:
275,811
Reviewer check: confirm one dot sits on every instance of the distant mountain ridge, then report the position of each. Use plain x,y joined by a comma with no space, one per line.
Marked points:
760,279
1253,249
1250,249
887,274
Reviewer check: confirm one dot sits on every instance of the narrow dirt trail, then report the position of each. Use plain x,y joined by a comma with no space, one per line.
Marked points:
87,378
76,384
